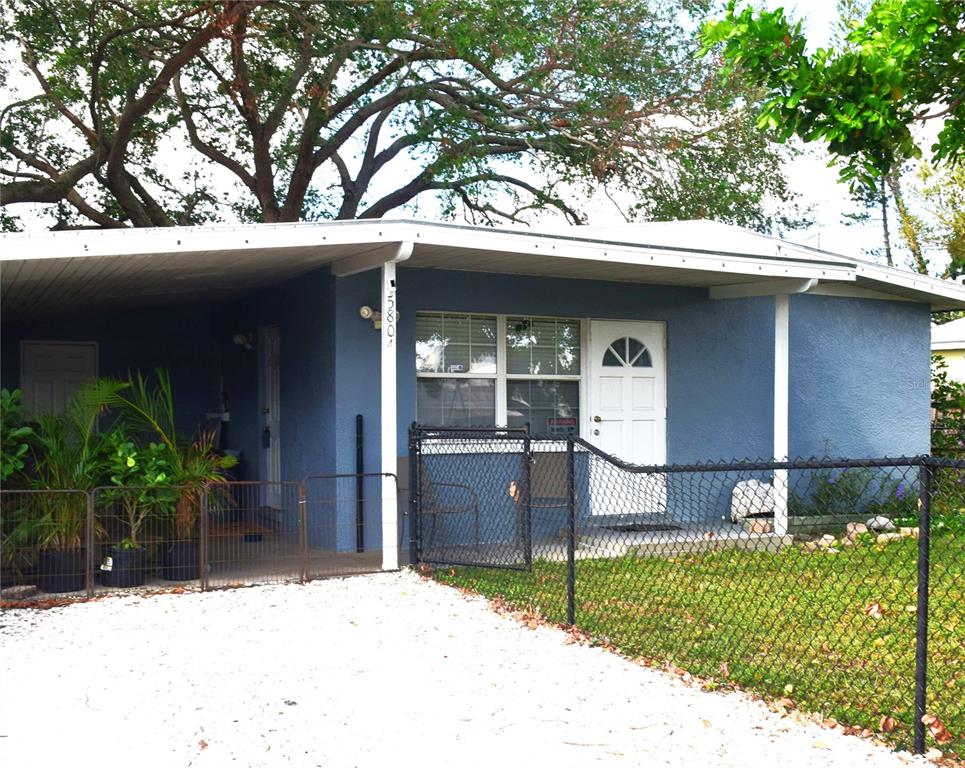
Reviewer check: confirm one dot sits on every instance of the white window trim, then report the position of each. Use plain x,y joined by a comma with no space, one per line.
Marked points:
501,376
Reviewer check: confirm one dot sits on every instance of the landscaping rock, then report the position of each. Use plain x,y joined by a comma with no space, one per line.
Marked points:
880,524
19,592
909,531
827,540
884,538
758,526
853,529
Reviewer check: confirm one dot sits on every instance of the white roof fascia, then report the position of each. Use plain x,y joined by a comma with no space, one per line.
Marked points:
172,240
912,281
795,262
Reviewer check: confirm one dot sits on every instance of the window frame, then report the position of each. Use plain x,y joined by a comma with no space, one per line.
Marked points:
502,377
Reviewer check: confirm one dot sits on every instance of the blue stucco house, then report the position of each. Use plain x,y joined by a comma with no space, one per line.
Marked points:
661,343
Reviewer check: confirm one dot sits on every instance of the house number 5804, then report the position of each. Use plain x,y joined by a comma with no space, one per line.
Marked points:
389,318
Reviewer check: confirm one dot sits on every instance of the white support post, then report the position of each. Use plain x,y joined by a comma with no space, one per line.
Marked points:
390,514
781,404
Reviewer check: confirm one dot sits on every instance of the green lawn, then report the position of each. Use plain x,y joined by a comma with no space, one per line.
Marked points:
834,632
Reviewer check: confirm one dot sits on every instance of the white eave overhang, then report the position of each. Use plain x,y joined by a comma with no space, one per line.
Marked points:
55,272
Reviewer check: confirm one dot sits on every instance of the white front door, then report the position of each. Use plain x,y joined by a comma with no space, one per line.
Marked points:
627,417
270,344
51,371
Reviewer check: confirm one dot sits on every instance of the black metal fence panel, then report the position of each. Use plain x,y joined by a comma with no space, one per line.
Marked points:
46,545
835,586
254,533
58,546
335,545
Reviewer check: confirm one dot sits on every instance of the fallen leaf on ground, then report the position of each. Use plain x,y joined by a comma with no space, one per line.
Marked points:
203,744
937,729
887,724
874,610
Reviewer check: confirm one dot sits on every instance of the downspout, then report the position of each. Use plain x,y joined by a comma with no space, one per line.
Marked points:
782,373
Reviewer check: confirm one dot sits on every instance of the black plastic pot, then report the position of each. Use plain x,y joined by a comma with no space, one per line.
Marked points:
127,567
180,561
61,570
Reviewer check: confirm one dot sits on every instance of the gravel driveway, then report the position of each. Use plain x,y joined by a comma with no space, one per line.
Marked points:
368,671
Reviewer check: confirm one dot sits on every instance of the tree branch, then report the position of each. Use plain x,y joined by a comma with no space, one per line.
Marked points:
117,177
208,150
51,190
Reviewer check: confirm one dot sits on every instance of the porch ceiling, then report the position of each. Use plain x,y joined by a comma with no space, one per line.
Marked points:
54,273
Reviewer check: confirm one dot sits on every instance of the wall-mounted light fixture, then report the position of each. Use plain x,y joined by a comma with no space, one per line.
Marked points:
367,313
242,340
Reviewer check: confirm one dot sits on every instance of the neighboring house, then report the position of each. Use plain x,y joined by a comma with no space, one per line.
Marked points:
948,340
677,342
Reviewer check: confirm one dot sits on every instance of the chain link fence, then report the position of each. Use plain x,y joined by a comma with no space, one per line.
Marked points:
62,545
833,586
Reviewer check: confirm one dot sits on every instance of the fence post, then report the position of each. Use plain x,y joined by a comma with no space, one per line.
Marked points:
303,526
89,543
570,533
528,501
415,530
203,534
359,484
921,641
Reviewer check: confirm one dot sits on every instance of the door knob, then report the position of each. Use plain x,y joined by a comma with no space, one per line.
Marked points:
597,419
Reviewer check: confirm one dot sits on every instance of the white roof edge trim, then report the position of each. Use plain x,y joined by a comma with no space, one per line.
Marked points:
948,289
131,242
948,346
376,232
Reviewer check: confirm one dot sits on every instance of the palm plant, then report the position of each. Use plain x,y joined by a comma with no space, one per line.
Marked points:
67,452
148,408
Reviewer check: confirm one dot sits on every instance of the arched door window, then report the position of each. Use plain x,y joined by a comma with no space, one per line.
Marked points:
627,352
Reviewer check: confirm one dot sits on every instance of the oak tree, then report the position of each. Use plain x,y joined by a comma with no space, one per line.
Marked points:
180,111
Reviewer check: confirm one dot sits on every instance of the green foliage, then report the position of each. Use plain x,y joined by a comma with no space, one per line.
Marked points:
144,476
940,195
14,435
948,405
145,410
338,109
901,65
119,433
856,493
68,451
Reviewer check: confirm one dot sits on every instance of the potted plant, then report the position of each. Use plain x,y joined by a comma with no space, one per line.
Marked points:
15,438
144,479
67,453
199,467
148,408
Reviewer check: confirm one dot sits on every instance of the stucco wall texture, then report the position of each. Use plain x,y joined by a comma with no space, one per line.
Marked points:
859,367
